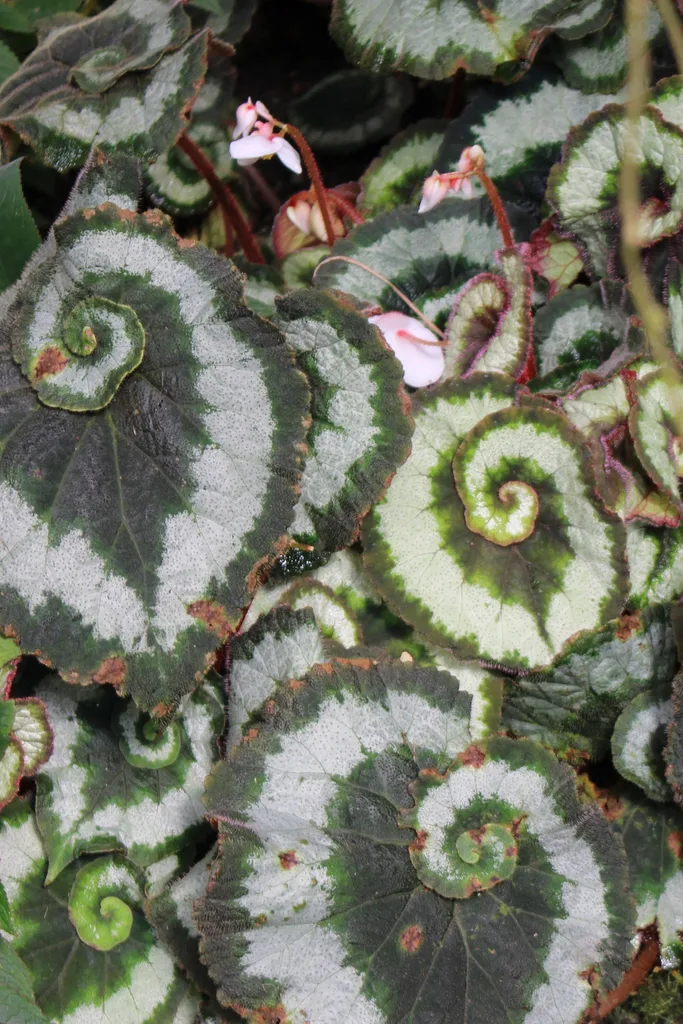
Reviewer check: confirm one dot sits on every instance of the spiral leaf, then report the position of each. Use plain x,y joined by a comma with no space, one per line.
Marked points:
316,907
514,556
489,330
63,931
575,704
134,530
98,905
113,783
583,189
360,430
638,743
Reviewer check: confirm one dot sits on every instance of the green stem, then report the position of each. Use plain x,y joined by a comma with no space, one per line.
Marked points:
232,215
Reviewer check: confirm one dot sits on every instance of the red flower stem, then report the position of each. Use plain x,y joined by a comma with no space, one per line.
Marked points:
638,974
232,215
498,208
316,180
345,207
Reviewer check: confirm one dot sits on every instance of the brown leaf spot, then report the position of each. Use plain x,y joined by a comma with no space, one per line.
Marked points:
420,840
212,615
51,360
296,684
269,707
87,214
126,214
288,859
473,886
474,756
112,670
259,921
627,625
249,736
675,841
411,938
511,851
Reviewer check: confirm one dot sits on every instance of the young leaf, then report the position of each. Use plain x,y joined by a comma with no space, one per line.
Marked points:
401,167
520,131
575,704
134,531
141,114
89,931
17,1002
490,540
19,236
429,256
433,41
360,430
350,812
115,781
638,743
652,839
281,645
489,329
351,109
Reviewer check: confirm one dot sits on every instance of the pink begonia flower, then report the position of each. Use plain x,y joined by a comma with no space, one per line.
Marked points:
422,364
247,115
300,215
437,186
264,143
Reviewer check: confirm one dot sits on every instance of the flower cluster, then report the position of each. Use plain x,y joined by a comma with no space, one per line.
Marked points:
437,186
255,137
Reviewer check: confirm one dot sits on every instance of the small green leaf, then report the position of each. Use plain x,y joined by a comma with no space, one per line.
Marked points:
401,167
351,109
19,236
17,1002
9,62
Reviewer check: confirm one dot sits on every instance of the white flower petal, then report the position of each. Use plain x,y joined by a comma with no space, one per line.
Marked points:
289,156
253,147
422,364
299,214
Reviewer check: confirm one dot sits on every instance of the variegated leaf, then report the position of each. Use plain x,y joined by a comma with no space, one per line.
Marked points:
106,958
48,102
638,742
584,329
351,109
490,540
353,813
655,558
17,1002
652,839
117,781
360,429
583,189
134,530
674,749
575,704
521,132
433,41
429,256
654,425
489,329
401,167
